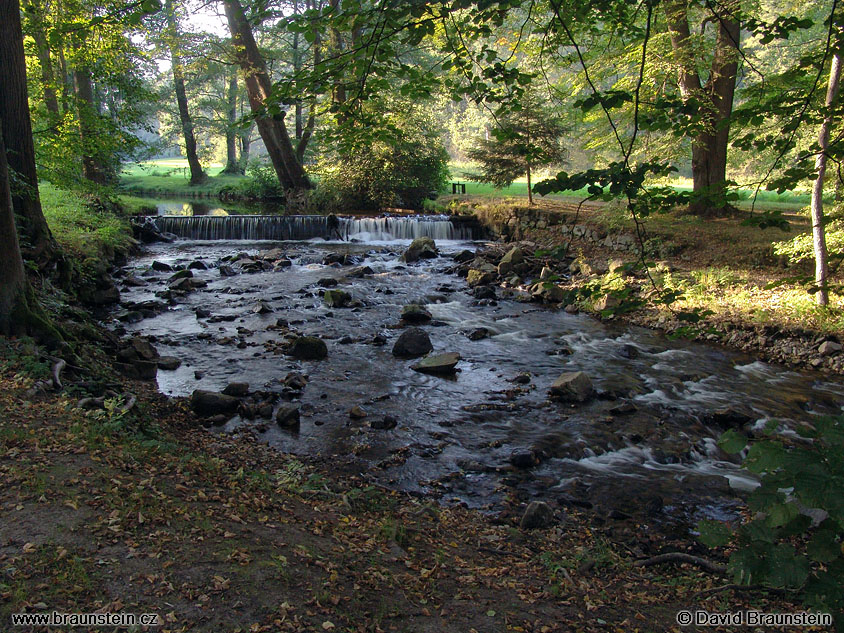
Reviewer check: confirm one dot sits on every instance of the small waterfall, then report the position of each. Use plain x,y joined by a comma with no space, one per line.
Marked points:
305,227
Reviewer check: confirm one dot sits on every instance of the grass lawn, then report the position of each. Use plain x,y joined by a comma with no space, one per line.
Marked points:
765,200
171,176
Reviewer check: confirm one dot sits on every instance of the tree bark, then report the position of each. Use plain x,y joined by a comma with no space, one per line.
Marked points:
12,278
709,147
818,229
197,175
19,311
289,170
233,166
16,127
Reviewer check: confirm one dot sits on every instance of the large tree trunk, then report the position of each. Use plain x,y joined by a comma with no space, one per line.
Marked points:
232,164
12,279
289,170
709,147
818,230
197,175
92,169
16,128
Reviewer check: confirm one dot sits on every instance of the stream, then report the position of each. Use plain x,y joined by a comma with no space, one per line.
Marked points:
644,446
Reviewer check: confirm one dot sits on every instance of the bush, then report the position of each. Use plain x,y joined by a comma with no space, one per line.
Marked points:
261,183
401,165
782,546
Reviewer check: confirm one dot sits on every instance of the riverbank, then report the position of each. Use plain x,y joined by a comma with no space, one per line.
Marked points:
141,511
753,299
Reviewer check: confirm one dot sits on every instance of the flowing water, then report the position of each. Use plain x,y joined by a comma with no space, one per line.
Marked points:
455,436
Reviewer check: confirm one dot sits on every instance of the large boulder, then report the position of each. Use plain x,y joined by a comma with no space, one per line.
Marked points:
511,258
413,313
420,248
548,292
308,348
537,516
207,403
479,278
287,416
412,343
573,386
438,363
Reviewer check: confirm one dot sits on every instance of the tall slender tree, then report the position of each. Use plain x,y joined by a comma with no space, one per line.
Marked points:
818,220
197,175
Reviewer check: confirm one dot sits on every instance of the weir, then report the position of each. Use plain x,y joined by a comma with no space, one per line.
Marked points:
305,227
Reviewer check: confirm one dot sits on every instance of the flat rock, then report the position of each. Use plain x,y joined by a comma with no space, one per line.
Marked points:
169,363
572,386
208,403
438,363
237,389
384,424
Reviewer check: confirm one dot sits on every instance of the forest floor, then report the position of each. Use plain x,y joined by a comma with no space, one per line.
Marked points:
143,512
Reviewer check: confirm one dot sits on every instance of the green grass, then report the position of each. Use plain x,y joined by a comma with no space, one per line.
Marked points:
768,200
171,176
81,231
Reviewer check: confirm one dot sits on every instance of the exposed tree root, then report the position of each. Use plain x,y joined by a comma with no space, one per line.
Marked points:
680,557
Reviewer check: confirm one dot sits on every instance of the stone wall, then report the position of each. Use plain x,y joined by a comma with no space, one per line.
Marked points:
513,223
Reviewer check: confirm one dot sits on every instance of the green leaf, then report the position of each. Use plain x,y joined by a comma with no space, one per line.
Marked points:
732,442
765,457
781,514
787,569
714,533
824,546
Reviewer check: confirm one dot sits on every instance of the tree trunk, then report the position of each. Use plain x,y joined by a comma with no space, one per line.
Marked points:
818,229
530,192
42,49
245,143
19,311
92,170
197,175
16,128
12,279
709,147
232,164
289,170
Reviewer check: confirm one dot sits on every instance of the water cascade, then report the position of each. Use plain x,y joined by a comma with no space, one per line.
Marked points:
305,227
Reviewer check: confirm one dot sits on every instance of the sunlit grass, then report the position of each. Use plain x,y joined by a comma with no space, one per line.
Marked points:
171,175
81,231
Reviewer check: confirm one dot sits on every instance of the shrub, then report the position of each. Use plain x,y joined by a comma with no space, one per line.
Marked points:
261,183
402,163
794,541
